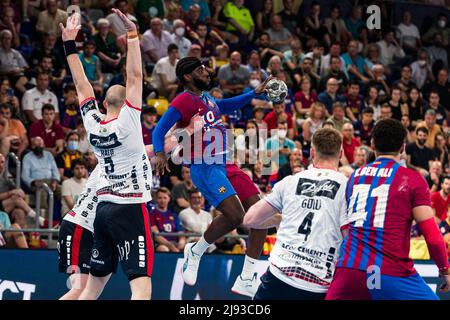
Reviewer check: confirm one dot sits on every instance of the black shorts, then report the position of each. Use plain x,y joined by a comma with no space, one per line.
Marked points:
122,233
74,248
272,288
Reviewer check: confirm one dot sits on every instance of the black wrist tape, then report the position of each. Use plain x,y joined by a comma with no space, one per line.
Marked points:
70,47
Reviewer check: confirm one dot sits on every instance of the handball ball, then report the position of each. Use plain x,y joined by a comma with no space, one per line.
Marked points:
276,91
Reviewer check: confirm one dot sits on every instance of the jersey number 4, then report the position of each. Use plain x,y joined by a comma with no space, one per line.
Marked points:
363,201
305,226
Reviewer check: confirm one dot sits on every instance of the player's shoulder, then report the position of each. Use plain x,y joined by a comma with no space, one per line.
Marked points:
181,99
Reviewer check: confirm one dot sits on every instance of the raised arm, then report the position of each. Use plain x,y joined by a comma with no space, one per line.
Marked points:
134,62
69,33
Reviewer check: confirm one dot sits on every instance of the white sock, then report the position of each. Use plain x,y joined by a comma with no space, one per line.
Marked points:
249,268
200,247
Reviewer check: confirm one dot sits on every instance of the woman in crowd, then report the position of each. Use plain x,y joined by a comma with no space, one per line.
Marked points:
416,106
303,101
315,120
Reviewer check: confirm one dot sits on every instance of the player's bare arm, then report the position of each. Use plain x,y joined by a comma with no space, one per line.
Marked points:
262,215
69,33
134,62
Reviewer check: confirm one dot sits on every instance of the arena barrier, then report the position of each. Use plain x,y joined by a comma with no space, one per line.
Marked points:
32,274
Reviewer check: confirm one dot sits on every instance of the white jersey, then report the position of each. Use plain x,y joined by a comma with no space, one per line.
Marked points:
313,208
83,212
125,172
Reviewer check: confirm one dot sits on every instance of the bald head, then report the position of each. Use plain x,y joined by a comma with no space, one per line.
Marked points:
115,97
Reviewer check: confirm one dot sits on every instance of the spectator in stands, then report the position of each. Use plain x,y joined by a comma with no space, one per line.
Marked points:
385,112
266,52
117,26
442,27
12,63
85,146
155,41
336,25
261,180
92,66
432,127
233,77
258,113
405,83
263,17
33,100
164,220
338,116
437,52
7,93
149,117
164,78
106,47
421,69
279,35
7,23
49,20
71,153
17,132
372,101
47,129
330,96
279,114
294,56
206,39
240,21
12,198
444,227
279,146
48,48
180,192
355,65
408,34
295,159
398,108
205,13
390,50
355,22
318,58
314,27
349,142
39,167
46,66
11,239
363,128
440,200
360,157
354,101
249,146
145,10
314,122
73,187
441,151
303,100
435,177
193,218
178,38
335,71
275,68
419,156
379,80
434,104
441,85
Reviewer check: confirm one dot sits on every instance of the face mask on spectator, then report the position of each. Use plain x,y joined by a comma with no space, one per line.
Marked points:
179,32
254,83
442,23
282,133
422,63
72,145
38,151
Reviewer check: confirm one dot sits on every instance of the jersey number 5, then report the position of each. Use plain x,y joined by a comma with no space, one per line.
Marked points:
305,226
109,165
360,196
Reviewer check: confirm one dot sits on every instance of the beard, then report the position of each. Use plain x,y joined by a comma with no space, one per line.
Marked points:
200,84
422,142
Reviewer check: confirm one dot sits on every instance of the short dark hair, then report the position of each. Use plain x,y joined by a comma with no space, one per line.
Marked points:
47,106
77,162
422,129
195,190
388,136
327,142
368,110
72,133
445,178
172,47
89,42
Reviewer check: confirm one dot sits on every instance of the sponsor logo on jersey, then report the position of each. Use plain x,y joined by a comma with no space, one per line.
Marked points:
110,141
222,189
311,188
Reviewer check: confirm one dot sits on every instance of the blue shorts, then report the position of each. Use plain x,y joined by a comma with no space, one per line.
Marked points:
212,181
403,288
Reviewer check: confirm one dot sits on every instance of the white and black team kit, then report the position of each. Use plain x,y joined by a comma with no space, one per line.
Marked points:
313,208
122,226
76,234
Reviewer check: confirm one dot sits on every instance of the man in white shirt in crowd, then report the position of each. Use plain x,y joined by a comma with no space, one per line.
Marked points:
421,69
390,50
34,99
183,43
73,187
155,41
164,78
408,34
194,219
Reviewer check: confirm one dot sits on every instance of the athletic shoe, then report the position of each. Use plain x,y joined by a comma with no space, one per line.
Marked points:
190,265
246,287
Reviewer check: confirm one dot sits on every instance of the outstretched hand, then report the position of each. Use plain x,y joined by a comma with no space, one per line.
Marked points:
129,25
72,26
262,87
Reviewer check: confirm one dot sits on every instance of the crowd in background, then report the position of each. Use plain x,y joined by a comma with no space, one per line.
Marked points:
339,74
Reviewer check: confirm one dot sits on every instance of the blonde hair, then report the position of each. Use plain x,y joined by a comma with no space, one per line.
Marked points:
316,106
